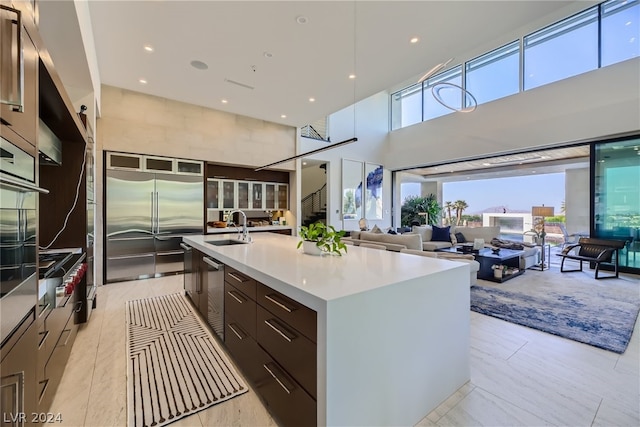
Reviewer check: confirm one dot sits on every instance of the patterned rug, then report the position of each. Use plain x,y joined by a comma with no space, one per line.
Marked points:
591,312
175,367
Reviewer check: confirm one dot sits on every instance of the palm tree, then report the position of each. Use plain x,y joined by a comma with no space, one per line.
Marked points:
459,206
448,206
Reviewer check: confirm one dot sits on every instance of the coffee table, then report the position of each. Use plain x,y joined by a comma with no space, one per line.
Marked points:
487,259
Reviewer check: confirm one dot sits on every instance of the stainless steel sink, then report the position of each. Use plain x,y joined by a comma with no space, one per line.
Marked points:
226,242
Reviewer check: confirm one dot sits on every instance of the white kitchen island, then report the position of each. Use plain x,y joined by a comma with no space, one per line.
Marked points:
392,328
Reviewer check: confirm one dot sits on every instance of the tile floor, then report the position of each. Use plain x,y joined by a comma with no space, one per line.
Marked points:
519,376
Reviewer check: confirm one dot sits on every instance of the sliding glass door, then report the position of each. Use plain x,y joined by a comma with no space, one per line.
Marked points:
616,196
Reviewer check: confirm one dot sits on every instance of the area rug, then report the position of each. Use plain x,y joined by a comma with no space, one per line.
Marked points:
175,367
601,315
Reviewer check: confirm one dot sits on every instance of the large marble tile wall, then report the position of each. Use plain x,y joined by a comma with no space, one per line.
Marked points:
135,122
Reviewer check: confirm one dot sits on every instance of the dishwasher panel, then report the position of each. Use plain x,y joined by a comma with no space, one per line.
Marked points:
215,295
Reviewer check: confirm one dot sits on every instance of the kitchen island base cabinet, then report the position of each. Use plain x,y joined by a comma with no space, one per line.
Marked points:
391,341
275,357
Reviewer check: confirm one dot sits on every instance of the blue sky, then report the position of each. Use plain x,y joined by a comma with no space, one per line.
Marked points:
518,193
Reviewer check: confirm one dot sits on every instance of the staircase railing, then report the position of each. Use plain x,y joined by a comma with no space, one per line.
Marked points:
309,131
314,202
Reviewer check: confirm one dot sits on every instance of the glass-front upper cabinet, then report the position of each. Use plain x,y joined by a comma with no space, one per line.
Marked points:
257,199
270,196
228,194
283,196
243,195
213,194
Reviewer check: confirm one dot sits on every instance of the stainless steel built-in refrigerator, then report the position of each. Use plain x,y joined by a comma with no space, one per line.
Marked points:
146,216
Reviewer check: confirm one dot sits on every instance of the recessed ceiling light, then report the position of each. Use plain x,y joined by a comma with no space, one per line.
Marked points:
312,100
268,54
486,164
143,81
199,65
301,19
304,163
148,48
352,76
283,116
414,40
224,101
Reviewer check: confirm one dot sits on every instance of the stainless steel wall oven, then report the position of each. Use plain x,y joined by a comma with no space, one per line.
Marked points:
18,225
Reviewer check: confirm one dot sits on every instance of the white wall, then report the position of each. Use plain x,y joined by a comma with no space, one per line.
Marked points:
582,108
367,121
140,123
577,197
313,178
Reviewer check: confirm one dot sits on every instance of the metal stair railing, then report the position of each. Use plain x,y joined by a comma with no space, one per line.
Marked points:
314,202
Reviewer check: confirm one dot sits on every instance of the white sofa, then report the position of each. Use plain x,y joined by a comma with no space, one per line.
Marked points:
529,258
474,265
393,242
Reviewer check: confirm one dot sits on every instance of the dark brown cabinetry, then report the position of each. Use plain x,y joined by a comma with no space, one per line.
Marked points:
19,69
273,340
57,334
194,283
18,374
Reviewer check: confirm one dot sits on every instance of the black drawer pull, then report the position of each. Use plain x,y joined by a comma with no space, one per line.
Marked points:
275,377
282,305
238,298
78,307
240,337
279,331
236,277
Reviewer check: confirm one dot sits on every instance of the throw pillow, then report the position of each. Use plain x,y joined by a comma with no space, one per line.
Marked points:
424,231
440,234
460,238
376,229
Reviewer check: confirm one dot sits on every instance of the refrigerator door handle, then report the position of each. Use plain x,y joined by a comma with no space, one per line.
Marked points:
153,230
157,214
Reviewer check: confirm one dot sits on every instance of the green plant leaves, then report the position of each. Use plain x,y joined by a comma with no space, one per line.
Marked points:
326,237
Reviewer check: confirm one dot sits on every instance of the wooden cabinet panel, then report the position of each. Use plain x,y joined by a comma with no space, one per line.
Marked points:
19,84
241,281
240,307
292,312
285,399
291,349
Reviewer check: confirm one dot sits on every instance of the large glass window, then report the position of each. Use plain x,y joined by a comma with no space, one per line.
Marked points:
562,50
620,31
406,107
617,196
454,98
495,74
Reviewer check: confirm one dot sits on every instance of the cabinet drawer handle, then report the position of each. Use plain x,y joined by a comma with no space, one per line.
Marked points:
237,298
45,335
66,340
78,307
288,390
185,247
279,304
240,337
236,277
45,385
280,332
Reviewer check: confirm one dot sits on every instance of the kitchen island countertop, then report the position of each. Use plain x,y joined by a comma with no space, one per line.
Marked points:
392,328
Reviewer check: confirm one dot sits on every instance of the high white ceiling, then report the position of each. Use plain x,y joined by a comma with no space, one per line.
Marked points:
235,39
